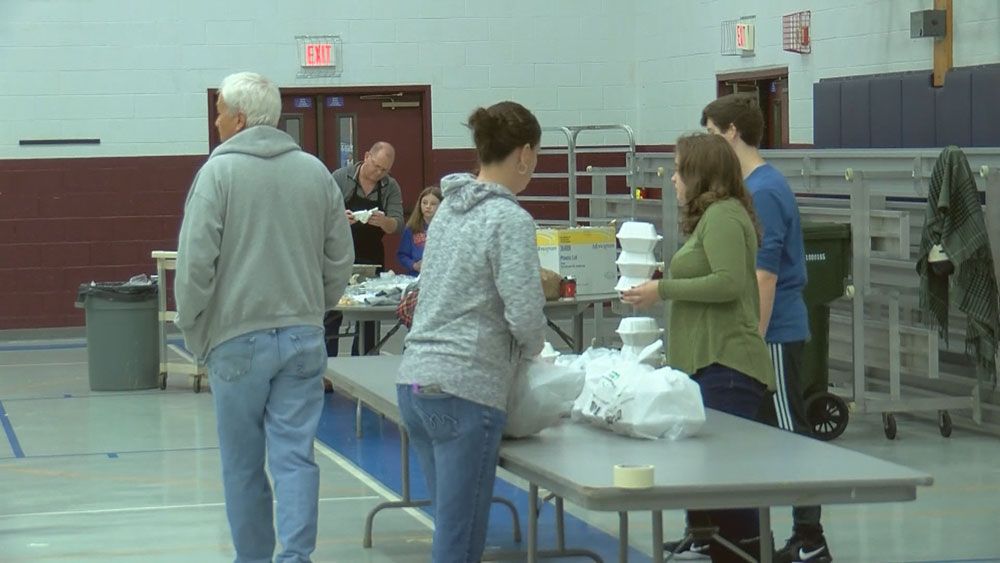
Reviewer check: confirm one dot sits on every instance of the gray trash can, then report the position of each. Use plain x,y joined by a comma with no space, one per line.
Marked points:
123,352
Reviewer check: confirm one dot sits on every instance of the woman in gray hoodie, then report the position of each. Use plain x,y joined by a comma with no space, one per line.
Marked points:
479,314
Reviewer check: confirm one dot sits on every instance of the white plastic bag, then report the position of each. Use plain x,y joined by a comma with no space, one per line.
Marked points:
589,356
636,400
549,354
601,356
542,393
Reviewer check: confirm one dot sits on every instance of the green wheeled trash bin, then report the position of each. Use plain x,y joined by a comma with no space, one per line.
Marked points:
123,352
828,264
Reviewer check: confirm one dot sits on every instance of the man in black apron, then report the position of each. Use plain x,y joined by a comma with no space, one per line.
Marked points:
368,186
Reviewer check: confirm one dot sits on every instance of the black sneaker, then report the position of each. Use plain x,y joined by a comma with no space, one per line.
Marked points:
798,550
685,550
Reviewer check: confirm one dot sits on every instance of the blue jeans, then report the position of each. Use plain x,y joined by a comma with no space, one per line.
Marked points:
730,391
457,443
268,392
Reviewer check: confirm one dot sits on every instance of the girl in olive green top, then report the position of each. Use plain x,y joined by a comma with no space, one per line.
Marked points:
712,329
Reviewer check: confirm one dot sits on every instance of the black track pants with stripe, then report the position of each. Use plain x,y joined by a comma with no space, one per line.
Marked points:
788,412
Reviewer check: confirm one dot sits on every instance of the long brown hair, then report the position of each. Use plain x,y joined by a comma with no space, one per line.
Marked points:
711,173
416,221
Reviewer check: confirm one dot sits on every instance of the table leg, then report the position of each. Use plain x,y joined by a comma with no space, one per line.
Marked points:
357,420
560,525
515,518
404,462
578,346
533,553
766,541
658,536
623,537
562,334
361,350
405,501
383,339
532,523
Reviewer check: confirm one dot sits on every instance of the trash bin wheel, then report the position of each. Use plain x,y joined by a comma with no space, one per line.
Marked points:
163,381
889,425
828,415
944,423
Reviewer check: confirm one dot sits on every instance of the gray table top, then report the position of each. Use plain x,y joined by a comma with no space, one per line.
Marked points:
388,312
732,462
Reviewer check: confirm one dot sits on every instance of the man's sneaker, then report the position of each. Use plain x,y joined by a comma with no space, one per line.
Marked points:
816,553
798,550
684,550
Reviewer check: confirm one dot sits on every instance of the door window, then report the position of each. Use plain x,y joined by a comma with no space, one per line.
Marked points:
348,140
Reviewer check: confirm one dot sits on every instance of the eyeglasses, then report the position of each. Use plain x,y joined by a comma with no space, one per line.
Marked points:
382,170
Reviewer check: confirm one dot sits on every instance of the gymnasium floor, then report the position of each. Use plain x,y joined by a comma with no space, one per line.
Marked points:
87,476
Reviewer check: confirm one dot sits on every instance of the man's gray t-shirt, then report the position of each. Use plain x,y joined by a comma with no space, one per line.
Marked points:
392,195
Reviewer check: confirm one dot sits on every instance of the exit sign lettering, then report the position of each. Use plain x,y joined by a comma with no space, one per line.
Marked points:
319,54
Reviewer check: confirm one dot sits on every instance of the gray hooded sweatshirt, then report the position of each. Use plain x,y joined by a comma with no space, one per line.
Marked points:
480,305
264,243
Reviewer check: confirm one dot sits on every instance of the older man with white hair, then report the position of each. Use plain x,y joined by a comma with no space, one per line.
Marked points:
265,250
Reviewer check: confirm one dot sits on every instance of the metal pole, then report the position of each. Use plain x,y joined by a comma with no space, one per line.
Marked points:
532,523
623,537
861,247
658,536
560,525
404,457
766,549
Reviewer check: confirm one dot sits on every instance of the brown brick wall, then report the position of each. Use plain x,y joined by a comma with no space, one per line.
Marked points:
64,222
68,221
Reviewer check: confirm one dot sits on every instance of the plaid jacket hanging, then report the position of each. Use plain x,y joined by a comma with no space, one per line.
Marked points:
955,220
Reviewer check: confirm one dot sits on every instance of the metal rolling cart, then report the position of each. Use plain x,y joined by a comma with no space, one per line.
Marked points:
991,180
883,202
889,291
598,197
603,208
166,260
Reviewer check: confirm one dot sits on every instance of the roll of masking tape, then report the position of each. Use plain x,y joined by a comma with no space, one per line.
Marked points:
633,476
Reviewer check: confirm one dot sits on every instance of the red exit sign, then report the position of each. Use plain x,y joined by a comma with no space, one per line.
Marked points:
744,36
319,54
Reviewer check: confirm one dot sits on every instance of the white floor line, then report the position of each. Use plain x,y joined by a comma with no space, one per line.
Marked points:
372,483
72,341
156,508
35,365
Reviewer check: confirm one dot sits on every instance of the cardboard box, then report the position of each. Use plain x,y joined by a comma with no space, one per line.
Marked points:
586,253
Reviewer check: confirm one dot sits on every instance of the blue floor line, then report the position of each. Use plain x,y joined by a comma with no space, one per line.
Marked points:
378,454
15,445
111,455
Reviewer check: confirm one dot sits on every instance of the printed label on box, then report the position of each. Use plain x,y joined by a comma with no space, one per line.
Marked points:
586,253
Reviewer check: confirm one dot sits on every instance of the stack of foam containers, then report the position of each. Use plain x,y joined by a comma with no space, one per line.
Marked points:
637,333
636,264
